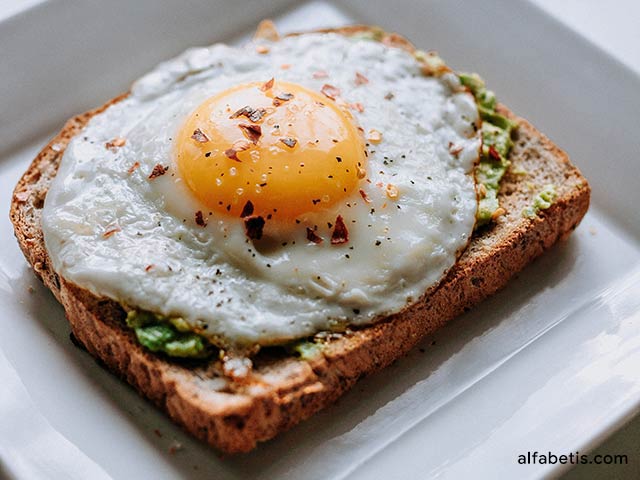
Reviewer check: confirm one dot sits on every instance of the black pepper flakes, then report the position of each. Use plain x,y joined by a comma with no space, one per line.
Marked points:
254,226
200,219
247,210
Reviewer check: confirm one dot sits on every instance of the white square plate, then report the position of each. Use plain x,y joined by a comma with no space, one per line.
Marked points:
548,364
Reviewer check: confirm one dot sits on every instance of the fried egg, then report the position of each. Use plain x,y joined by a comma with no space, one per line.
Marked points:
265,193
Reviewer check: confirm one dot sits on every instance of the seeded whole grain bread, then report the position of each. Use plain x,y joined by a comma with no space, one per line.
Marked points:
284,389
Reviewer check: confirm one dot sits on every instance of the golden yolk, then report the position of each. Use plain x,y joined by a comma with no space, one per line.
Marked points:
286,149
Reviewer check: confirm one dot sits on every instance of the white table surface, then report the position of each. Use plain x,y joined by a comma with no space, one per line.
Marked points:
613,27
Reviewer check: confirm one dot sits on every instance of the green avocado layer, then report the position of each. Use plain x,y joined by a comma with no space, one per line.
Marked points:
543,200
172,336
307,350
496,145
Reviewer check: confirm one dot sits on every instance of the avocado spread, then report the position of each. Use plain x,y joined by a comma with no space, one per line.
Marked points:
306,349
496,144
543,200
172,336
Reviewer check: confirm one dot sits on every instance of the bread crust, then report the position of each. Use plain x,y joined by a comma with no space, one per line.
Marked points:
233,416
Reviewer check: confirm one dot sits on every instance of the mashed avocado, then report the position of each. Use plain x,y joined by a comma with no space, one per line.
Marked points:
307,350
169,335
543,200
174,337
496,144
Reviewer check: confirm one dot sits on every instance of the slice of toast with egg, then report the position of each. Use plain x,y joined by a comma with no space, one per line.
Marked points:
233,403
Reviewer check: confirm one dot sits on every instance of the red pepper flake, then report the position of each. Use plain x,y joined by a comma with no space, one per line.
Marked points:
252,132
253,114
257,114
330,91
237,147
285,66
313,237
133,167
267,31
364,196
358,107
148,267
254,226
289,142
232,154
158,171
361,79
110,231
200,221
268,85
320,74
454,150
115,143
493,153
199,136
247,210
246,111
284,96
340,233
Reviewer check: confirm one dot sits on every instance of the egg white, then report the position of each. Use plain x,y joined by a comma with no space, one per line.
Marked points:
124,236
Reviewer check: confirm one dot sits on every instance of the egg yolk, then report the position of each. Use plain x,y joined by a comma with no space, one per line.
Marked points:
284,148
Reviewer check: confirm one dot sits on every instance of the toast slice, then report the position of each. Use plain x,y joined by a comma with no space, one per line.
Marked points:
234,415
